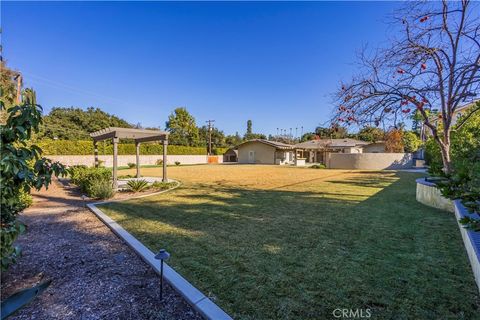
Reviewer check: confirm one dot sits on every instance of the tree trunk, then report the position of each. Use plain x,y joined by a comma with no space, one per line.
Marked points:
447,165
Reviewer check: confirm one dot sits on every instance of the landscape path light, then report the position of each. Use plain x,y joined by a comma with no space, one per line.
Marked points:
162,255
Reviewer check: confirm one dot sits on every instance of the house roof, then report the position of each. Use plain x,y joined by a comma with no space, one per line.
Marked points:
330,143
276,144
139,135
231,150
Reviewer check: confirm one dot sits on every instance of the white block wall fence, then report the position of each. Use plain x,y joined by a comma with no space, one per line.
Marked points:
369,161
123,160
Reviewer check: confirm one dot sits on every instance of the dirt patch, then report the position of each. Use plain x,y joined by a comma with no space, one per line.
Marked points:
95,275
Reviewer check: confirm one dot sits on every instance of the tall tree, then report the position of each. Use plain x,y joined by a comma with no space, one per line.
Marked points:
22,168
249,127
394,141
337,132
76,123
249,135
433,63
218,137
233,140
371,134
8,92
182,127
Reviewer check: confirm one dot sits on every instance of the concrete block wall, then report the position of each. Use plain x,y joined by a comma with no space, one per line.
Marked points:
369,161
123,160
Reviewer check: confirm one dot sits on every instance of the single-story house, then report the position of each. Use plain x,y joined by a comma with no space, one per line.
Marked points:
265,152
231,155
316,151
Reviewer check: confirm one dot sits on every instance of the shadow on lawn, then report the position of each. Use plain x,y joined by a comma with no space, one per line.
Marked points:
301,254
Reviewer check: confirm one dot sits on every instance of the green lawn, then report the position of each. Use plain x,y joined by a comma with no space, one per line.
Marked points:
269,242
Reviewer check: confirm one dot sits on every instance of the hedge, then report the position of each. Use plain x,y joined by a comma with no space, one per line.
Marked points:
85,147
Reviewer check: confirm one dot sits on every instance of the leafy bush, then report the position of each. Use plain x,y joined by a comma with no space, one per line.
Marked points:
131,165
25,199
22,168
177,163
100,189
163,185
88,178
394,141
318,166
464,181
411,141
85,147
433,158
137,185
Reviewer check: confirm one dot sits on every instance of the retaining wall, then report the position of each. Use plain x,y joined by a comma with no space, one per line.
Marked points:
123,160
369,161
429,195
471,240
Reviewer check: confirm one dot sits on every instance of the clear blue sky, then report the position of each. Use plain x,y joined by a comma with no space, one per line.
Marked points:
274,63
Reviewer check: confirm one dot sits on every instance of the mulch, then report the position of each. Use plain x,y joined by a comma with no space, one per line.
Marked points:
95,275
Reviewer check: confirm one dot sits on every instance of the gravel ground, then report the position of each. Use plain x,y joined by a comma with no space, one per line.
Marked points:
95,275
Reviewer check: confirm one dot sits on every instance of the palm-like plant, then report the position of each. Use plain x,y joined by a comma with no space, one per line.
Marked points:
137,185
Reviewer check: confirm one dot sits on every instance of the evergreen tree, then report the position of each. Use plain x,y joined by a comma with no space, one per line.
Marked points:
182,127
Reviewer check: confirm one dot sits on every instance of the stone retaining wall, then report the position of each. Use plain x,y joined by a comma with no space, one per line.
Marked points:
428,194
123,160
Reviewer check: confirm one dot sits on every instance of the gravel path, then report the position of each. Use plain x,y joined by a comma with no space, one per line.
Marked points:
95,275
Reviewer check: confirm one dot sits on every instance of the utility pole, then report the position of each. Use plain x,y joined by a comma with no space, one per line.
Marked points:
210,127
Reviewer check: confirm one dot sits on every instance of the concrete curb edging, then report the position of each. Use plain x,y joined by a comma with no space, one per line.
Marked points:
471,240
206,307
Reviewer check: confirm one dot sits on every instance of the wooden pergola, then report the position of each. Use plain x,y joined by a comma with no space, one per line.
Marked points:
139,136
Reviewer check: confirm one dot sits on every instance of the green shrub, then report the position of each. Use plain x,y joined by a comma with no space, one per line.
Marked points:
85,147
131,165
318,166
464,181
25,199
433,158
411,141
22,167
159,185
100,189
137,185
177,163
86,178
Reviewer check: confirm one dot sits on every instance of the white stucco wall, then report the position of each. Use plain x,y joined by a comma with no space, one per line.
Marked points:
264,154
369,161
123,160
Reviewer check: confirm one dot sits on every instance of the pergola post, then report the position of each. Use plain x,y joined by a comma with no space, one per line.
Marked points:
115,162
137,150
165,144
95,152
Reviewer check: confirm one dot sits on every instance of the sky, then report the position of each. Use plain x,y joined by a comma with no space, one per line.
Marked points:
276,63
